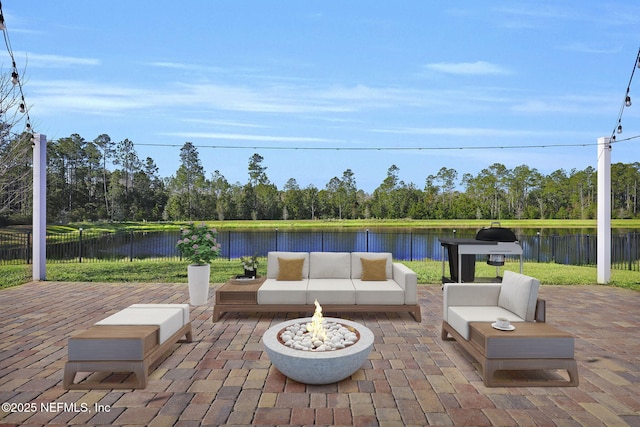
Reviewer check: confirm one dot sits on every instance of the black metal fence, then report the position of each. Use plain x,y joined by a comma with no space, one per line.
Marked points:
410,245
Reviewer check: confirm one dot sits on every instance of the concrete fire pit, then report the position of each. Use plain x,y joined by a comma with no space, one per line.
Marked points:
318,367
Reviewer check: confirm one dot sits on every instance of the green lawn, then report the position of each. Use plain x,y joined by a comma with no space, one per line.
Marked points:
349,223
429,272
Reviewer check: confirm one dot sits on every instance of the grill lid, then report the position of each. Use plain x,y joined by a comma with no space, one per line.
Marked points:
495,233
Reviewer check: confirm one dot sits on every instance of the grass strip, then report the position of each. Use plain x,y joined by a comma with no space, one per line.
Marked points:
165,271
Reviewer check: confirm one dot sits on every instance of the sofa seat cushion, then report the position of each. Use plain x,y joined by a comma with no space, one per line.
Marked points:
274,291
331,291
460,316
386,292
329,265
169,320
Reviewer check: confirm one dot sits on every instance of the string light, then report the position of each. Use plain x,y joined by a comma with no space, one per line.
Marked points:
627,100
442,148
15,77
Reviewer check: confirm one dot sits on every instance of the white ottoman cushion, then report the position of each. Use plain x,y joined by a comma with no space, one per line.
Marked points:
169,320
185,309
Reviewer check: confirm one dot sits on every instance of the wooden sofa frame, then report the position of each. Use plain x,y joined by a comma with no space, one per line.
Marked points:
220,309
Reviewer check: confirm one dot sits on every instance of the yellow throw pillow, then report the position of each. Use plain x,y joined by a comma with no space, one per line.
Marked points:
290,268
374,269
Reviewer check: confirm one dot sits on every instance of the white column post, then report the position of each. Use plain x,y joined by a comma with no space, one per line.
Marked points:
39,207
604,210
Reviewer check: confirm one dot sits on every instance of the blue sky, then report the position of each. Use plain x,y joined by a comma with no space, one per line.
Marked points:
417,84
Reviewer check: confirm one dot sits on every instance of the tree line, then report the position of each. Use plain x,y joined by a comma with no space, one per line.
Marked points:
106,180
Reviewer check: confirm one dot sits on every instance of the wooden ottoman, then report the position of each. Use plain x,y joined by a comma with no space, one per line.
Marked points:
112,345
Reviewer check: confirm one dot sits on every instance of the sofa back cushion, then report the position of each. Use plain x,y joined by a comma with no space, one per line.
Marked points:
329,265
519,294
356,264
273,265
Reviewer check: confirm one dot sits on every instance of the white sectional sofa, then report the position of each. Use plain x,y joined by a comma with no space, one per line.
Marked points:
338,282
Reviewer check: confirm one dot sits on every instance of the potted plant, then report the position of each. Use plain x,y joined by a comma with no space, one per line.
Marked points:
199,244
250,266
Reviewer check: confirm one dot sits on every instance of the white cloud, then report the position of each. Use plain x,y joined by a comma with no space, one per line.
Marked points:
535,10
246,137
183,66
89,97
583,105
585,48
474,132
468,68
226,123
70,96
36,60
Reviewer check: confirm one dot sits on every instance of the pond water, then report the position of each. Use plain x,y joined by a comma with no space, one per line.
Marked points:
567,246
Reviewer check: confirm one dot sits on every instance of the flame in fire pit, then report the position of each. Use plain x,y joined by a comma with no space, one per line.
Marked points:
315,326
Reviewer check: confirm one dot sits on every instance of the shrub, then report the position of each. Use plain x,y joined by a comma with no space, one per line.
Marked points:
199,244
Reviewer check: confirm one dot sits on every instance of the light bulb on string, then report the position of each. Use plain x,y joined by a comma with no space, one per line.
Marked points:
627,101
619,128
15,78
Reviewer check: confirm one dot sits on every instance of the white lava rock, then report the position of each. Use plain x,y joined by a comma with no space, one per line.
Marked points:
298,337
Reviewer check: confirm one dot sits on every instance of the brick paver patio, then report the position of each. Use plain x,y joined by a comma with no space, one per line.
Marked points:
412,377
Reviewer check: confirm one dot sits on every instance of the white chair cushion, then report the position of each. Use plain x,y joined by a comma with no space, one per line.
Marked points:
519,294
329,265
460,316
356,264
273,267
386,292
274,291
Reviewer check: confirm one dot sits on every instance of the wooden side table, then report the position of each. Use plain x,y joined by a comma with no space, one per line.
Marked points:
531,346
236,293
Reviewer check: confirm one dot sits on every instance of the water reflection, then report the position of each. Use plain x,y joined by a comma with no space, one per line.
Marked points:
550,245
